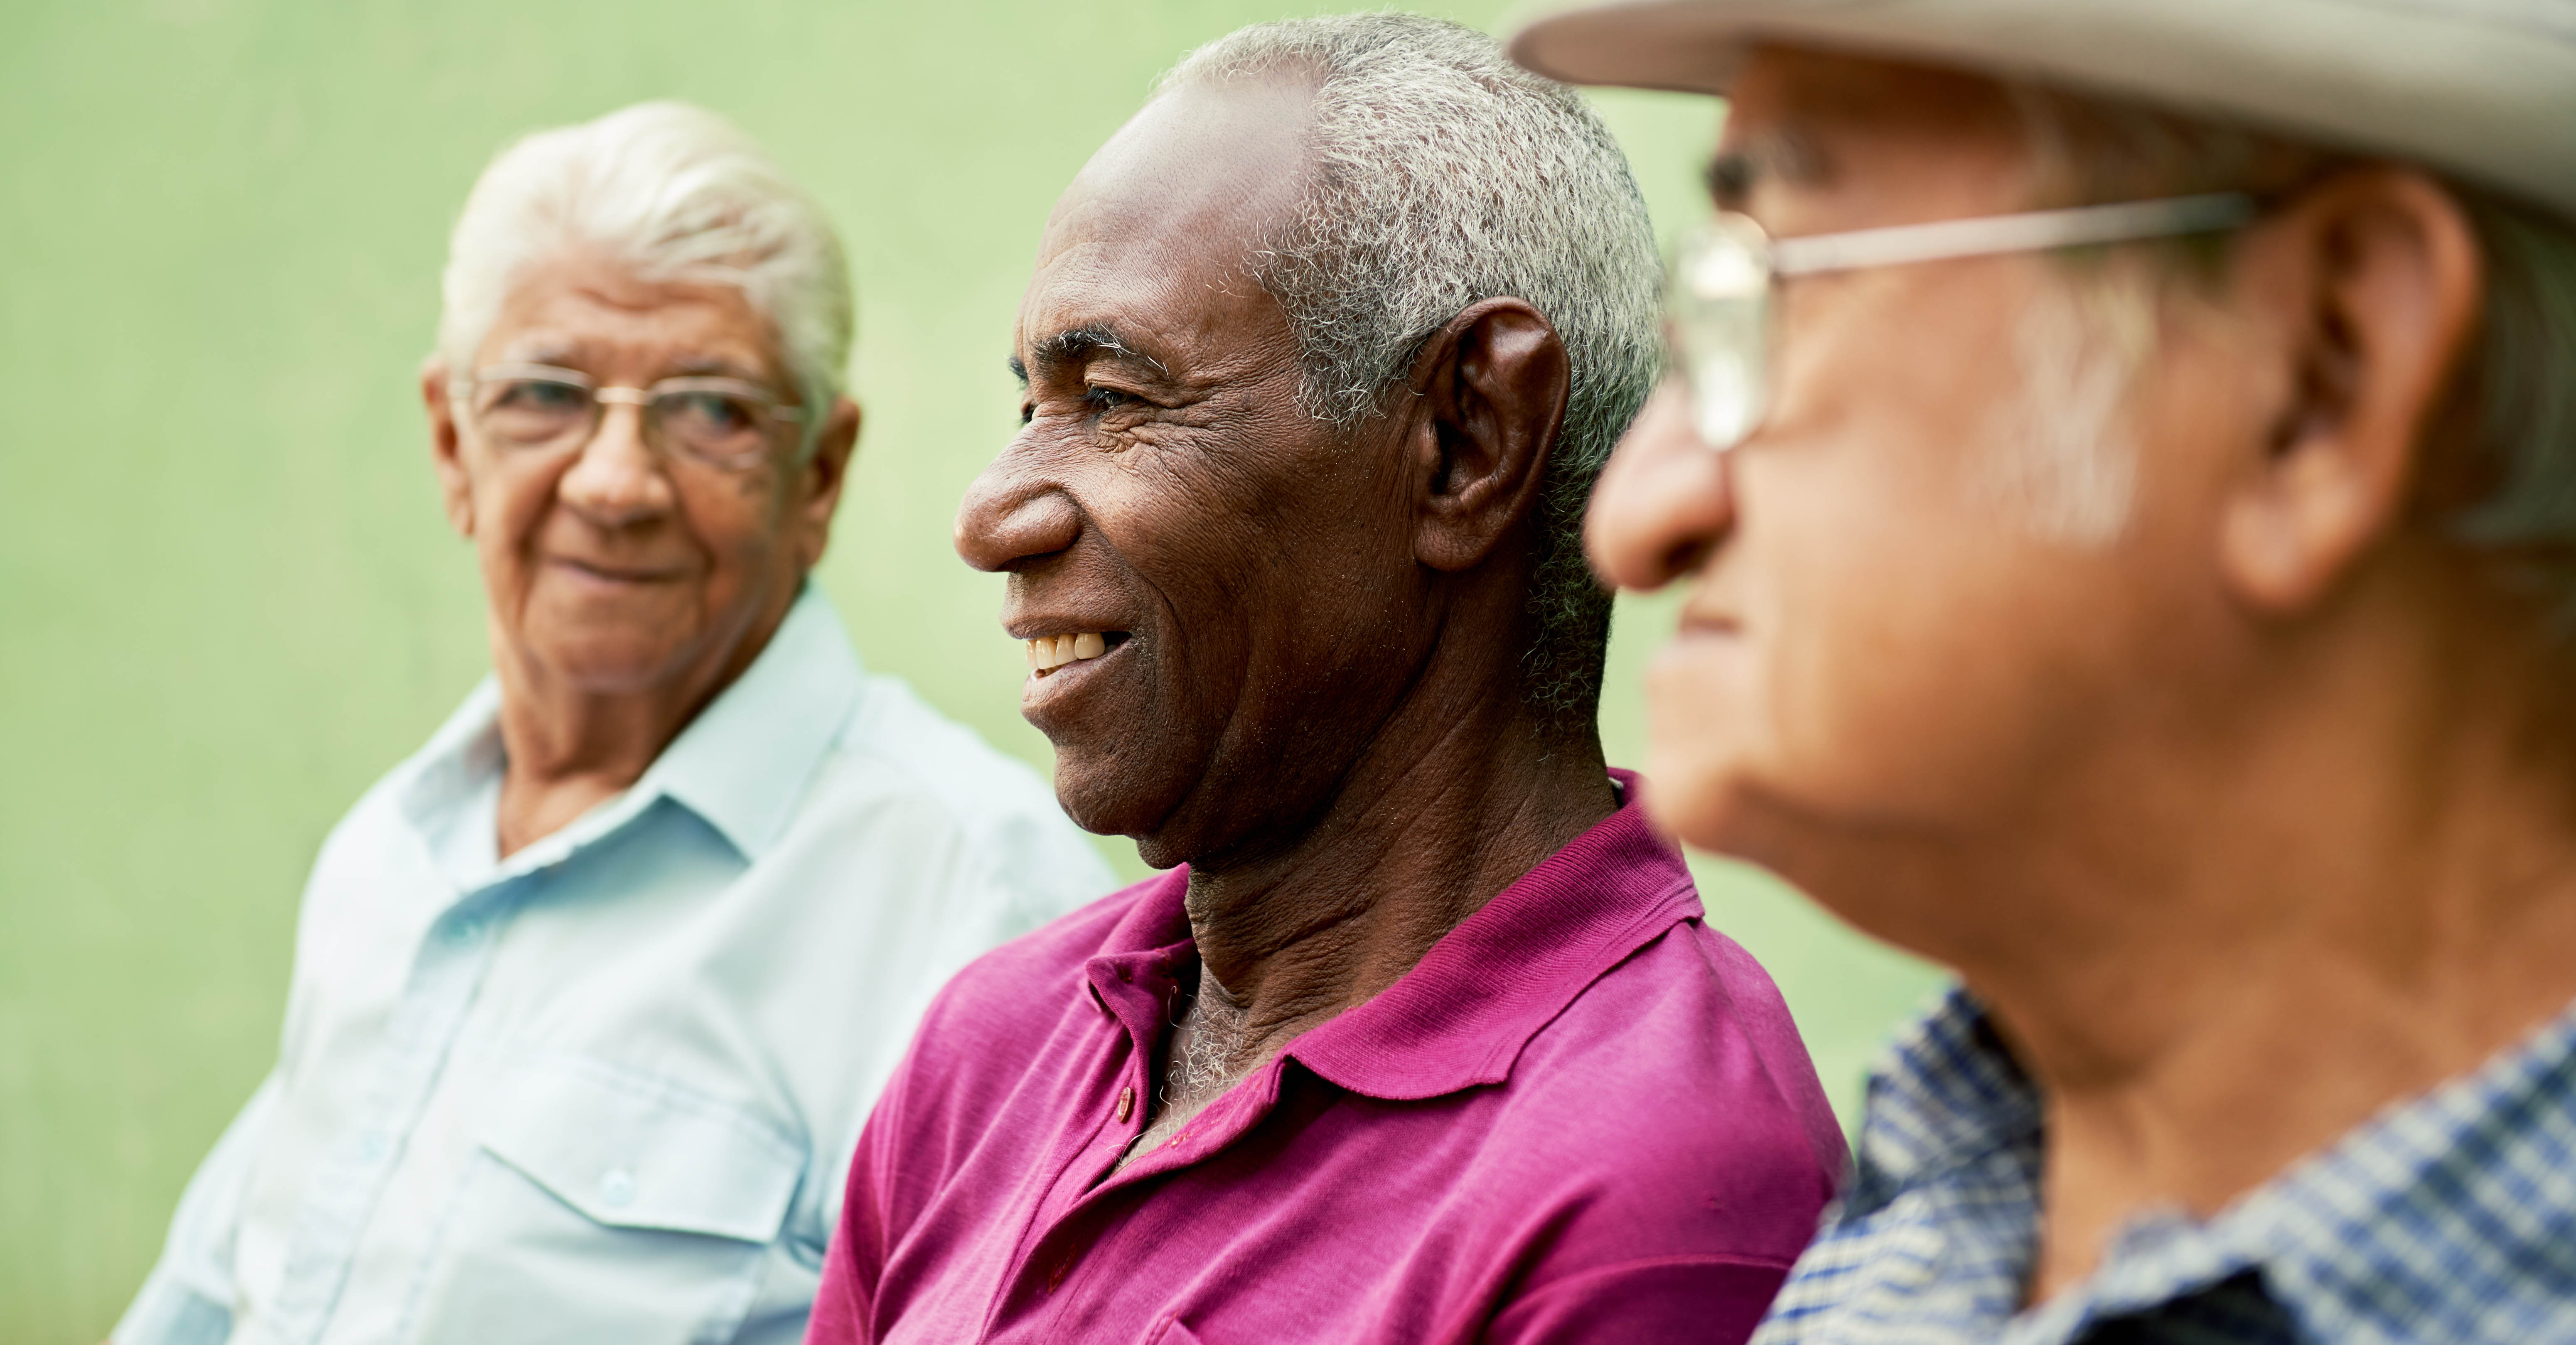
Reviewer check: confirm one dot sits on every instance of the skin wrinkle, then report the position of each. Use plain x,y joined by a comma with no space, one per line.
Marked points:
729,219
1376,255
2245,821
1317,707
598,675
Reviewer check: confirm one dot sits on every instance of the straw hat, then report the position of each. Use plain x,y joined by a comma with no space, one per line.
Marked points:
2484,89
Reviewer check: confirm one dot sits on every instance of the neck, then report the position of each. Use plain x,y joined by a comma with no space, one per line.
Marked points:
2333,948
2364,886
2328,887
1440,813
570,745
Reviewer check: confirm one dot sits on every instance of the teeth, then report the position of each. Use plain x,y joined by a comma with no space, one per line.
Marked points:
1050,652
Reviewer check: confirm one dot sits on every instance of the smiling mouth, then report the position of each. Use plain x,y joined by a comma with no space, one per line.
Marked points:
1047,653
613,576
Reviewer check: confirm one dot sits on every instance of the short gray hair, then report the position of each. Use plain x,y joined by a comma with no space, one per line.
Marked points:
2510,482
1441,174
676,192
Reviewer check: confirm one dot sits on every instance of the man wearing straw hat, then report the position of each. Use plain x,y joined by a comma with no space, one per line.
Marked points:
2123,458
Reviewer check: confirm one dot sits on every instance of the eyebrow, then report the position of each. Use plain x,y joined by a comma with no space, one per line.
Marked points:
711,364
1076,344
1784,154
566,355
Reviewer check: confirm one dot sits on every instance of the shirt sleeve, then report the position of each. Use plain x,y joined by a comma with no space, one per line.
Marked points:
986,900
840,1305
896,1166
188,1297
1717,1300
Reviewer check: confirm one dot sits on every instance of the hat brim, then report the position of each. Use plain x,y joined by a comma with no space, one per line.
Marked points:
2487,91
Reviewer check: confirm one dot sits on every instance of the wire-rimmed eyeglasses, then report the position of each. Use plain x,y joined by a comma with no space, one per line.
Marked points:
722,422
1720,312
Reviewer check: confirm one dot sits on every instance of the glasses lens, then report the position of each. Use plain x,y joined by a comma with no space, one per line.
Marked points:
532,411
1718,320
723,425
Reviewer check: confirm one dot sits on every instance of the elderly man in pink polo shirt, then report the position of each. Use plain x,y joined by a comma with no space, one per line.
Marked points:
1428,1041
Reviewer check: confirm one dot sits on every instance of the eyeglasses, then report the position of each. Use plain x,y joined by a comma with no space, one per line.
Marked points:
1721,317
722,422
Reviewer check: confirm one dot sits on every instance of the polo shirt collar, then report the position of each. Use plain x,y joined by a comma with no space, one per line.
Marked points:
1461,1017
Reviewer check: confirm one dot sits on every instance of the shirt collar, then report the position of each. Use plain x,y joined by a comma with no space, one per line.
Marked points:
1949,1094
1462,1015
741,764
2448,1216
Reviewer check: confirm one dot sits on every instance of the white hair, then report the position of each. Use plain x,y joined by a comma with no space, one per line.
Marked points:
2517,387
1440,174
2061,455
677,193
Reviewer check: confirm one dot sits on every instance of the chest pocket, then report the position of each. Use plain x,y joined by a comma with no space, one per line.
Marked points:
611,1208
628,1159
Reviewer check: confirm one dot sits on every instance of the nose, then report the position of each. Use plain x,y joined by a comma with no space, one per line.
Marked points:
617,481
1664,502
1013,515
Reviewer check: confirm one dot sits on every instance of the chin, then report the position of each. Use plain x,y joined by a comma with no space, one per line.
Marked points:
611,663
1114,792
1098,795
1698,758
1696,796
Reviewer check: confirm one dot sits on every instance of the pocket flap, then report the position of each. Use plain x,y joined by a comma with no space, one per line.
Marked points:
631,1154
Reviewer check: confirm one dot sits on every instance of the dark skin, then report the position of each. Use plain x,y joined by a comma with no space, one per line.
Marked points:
1311,693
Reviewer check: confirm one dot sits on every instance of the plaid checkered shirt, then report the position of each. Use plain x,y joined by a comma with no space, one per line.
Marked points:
2450,1219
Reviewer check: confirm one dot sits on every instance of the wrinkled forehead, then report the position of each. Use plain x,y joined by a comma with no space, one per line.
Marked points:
1160,224
1861,126
584,307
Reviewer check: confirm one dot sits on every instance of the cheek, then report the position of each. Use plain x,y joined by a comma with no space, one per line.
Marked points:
1902,653
737,524
511,503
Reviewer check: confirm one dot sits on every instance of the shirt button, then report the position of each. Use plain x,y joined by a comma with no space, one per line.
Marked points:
617,1188
1126,1104
371,1146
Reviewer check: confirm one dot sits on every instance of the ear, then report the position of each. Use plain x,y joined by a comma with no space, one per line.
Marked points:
820,477
2369,287
455,487
1494,383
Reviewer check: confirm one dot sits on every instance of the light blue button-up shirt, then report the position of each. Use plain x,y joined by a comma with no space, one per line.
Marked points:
607,1089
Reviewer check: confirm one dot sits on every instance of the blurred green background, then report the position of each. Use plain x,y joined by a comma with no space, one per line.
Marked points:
227,599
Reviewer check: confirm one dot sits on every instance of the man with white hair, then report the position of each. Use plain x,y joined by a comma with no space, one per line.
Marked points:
1423,1040
592,994
2124,457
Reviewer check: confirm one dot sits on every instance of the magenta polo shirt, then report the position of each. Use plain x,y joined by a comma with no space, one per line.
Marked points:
1585,1116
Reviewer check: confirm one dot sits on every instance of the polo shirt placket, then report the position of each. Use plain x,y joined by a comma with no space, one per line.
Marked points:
1518,1129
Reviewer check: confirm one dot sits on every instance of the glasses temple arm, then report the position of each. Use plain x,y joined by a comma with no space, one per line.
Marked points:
2031,231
